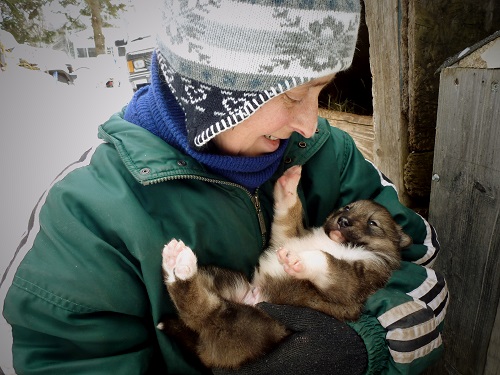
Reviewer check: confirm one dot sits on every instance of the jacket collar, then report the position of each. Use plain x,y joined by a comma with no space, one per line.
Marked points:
159,161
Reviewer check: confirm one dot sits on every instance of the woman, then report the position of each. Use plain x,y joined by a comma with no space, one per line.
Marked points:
232,104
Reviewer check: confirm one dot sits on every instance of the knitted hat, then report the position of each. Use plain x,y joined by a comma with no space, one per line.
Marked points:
223,59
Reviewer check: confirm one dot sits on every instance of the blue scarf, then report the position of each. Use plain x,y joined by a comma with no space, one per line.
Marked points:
154,108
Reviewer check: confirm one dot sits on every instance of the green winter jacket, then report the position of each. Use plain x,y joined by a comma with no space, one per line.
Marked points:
89,293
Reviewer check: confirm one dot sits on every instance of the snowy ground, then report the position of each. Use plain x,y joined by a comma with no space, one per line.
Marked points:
45,125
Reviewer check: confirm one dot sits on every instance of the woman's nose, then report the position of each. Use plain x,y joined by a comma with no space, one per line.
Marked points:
305,120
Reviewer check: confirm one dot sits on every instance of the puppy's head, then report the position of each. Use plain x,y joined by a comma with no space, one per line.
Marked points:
369,224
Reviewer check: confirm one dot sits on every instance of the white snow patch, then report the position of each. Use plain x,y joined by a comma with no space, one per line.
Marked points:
45,126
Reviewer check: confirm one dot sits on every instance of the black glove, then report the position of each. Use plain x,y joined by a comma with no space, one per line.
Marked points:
319,344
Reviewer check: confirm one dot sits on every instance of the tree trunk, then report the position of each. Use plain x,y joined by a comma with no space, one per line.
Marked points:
95,9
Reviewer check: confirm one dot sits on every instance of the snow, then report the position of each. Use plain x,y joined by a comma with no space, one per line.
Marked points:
46,125
492,54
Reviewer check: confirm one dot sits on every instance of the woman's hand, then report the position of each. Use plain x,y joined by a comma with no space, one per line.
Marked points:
319,344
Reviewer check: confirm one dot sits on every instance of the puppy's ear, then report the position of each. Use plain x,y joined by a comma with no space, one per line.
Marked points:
404,239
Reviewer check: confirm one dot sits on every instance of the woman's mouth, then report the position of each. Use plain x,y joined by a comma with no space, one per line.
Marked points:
270,137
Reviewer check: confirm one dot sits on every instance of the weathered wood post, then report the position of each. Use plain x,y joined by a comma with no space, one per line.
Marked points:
465,207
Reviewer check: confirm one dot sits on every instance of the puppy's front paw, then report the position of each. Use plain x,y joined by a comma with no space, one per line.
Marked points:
291,262
309,265
179,261
285,190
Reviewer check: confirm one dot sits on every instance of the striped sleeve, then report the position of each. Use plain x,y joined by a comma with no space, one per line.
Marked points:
434,292
431,245
411,309
413,305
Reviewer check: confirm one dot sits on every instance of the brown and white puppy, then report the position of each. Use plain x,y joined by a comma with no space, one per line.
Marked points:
333,269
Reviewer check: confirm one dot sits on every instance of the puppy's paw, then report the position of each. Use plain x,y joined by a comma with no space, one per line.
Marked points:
179,261
285,190
252,297
309,265
291,262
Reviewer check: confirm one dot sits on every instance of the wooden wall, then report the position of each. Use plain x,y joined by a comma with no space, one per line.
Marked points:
409,40
465,209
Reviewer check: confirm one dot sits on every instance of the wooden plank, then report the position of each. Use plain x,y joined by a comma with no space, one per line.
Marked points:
493,356
465,209
387,25
359,127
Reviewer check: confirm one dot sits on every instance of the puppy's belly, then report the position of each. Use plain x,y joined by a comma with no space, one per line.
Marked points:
309,249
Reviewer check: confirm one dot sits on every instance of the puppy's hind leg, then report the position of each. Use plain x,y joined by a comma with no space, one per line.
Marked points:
223,333
190,288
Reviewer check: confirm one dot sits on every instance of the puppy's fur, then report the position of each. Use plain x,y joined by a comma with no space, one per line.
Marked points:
333,269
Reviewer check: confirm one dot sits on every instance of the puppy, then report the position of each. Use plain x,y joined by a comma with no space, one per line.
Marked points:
333,269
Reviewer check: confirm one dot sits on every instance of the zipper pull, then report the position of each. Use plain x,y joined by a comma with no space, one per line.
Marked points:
260,216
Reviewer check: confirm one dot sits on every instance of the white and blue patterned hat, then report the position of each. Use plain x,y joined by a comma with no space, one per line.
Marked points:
223,59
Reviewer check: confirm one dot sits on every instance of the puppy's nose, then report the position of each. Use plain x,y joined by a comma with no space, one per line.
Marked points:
344,222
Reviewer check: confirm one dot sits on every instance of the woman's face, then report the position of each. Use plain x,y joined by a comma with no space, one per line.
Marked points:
293,111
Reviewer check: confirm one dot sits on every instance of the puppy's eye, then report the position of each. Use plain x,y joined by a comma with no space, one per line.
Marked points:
347,208
372,223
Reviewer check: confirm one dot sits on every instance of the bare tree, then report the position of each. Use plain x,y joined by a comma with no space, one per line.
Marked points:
25,21
96,19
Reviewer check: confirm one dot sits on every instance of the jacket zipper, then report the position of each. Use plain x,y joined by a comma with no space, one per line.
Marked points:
253,197
262,224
